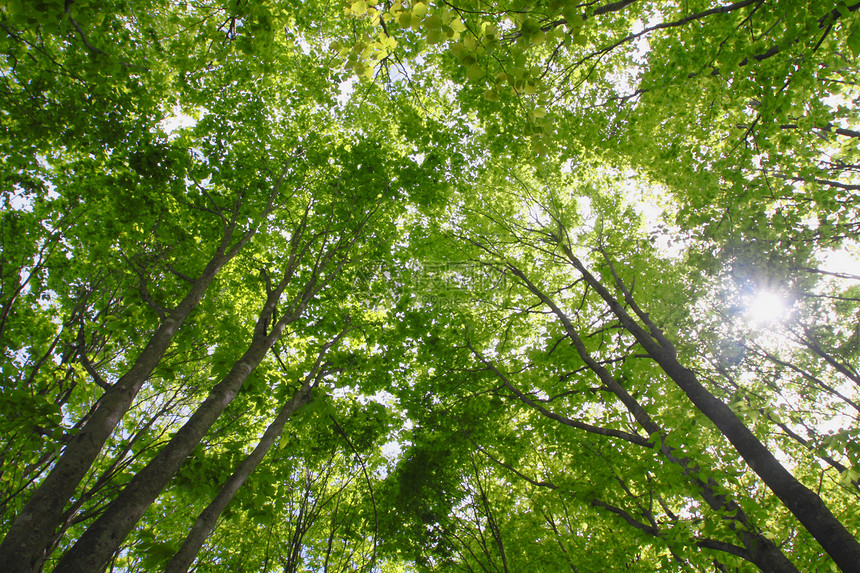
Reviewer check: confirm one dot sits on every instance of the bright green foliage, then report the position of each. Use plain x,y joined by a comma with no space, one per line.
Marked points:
429,172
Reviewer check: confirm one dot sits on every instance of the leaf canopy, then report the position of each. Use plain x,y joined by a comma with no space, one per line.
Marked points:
456,285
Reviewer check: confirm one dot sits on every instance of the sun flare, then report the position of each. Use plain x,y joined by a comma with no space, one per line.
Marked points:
766,308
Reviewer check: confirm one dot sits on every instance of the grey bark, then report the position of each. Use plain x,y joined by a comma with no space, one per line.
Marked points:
759,549
23,548
102,539
205,523
93,549
809,509
26,543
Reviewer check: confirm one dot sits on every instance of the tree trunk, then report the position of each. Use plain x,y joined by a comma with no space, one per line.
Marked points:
24,547
26,544
806,505
206,521
94,548
761,551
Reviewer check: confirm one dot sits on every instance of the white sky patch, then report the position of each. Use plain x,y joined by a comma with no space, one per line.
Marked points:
345,89
653,203
810,220
586,212
538,215
18,202
392,450
844,260
303,44
178,120
588,216
381,397
641,47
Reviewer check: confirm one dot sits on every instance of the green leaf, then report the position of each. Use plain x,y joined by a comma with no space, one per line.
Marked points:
853,39
419,10
475,72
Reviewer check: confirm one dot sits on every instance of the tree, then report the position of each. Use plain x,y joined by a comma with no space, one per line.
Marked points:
245,244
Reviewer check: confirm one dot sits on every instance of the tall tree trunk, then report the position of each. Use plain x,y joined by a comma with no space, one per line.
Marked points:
205,523
25,546
94,548
761,551
806,505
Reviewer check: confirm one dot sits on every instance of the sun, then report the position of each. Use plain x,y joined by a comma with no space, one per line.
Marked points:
765,308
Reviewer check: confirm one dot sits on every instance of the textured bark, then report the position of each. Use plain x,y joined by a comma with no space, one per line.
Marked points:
24,547
206,521
809,509
760,550
30,536
94,548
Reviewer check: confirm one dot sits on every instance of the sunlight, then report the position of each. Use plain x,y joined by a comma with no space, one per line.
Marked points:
766,308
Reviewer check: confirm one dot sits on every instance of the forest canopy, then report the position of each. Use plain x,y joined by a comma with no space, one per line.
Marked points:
424,285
